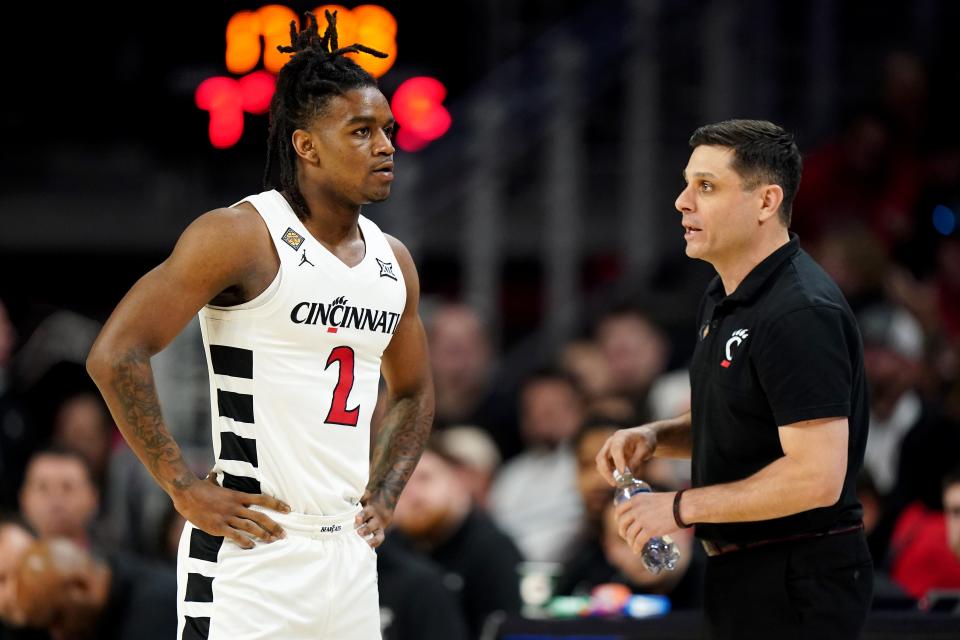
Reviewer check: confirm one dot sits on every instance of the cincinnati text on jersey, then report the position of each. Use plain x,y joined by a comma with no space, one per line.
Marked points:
340,314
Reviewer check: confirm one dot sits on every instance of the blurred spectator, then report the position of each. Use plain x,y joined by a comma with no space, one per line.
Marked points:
886,592
462,359
935,301
911,444
58,497
587,565
414,602
587,364
75,595
480,561
893,350
16,440
42,400
477,459
670,395
860,177
948,285
83,424
534,497
637,353
951,509
8,337
594,490
905,92
921,559
856,261
15,539
683,585
618,408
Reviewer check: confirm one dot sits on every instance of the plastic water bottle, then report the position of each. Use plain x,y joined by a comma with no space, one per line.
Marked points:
659,553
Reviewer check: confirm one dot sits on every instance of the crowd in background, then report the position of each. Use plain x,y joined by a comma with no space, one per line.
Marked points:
508,484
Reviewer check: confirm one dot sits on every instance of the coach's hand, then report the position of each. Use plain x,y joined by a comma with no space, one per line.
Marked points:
227,513
645,516
626,449
372,521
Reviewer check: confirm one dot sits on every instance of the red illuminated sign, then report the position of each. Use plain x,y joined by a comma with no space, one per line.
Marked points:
418,107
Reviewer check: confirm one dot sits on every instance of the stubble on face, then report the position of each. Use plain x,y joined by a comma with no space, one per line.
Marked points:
352,139
714,204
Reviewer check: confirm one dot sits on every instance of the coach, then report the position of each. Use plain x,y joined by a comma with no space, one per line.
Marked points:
778,419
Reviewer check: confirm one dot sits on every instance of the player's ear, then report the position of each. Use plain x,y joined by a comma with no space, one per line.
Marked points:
304,145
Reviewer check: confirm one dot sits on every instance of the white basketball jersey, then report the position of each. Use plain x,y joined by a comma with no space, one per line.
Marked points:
294,373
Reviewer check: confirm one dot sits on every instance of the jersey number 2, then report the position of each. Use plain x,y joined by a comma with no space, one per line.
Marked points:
339,414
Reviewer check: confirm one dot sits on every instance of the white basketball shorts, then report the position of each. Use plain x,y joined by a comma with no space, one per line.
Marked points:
319,582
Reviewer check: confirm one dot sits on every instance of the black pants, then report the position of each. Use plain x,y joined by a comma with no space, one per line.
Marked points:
817,589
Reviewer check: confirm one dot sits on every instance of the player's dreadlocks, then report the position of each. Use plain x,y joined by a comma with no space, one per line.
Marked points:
317,71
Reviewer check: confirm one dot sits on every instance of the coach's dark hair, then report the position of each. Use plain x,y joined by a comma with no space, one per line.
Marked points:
316,72
763,152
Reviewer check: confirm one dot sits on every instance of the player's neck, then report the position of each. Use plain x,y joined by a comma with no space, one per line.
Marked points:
331,221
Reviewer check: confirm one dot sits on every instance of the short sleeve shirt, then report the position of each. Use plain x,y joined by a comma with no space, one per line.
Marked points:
782,348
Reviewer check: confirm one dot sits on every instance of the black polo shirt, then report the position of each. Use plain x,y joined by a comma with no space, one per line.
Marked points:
782,348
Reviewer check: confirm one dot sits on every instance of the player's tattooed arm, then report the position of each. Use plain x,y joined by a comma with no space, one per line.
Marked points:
400,441
135,395
406,426
119,362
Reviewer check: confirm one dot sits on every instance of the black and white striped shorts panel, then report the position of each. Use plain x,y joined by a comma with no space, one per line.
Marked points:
196,572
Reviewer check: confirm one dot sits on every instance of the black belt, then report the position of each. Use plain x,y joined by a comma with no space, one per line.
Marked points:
719,548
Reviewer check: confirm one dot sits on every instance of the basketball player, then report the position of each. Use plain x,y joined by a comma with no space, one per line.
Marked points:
295,350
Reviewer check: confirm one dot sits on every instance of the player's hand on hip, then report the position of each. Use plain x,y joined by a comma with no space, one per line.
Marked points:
626,449
372,521
227,513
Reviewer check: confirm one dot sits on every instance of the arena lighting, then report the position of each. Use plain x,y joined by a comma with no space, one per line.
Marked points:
369,24
226,99
244,30
944,220
255,34
418,107
256,89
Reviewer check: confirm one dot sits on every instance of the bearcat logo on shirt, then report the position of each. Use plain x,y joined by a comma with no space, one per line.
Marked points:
339,314
736,339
